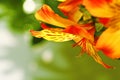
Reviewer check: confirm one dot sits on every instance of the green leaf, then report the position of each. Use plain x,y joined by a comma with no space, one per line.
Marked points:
98,26
54,5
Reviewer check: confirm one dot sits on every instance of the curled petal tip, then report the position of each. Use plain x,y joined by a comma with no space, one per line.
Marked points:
108,66
31,30
36,33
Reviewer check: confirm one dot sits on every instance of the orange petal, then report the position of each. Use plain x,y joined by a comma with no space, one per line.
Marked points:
109,42
47,15
116,2
71,9
75,15
92,31
79,31
99,8
69,5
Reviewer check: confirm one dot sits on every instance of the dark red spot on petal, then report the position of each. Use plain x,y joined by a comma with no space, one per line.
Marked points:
104,21
109,1
73,30
44,26
106,50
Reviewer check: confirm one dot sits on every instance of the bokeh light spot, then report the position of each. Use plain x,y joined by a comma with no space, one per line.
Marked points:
29,6
47,56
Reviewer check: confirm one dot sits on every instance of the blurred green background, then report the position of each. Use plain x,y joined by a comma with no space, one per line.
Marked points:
23,57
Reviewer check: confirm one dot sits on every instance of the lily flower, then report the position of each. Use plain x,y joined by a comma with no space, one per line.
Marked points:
68,29
109,10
